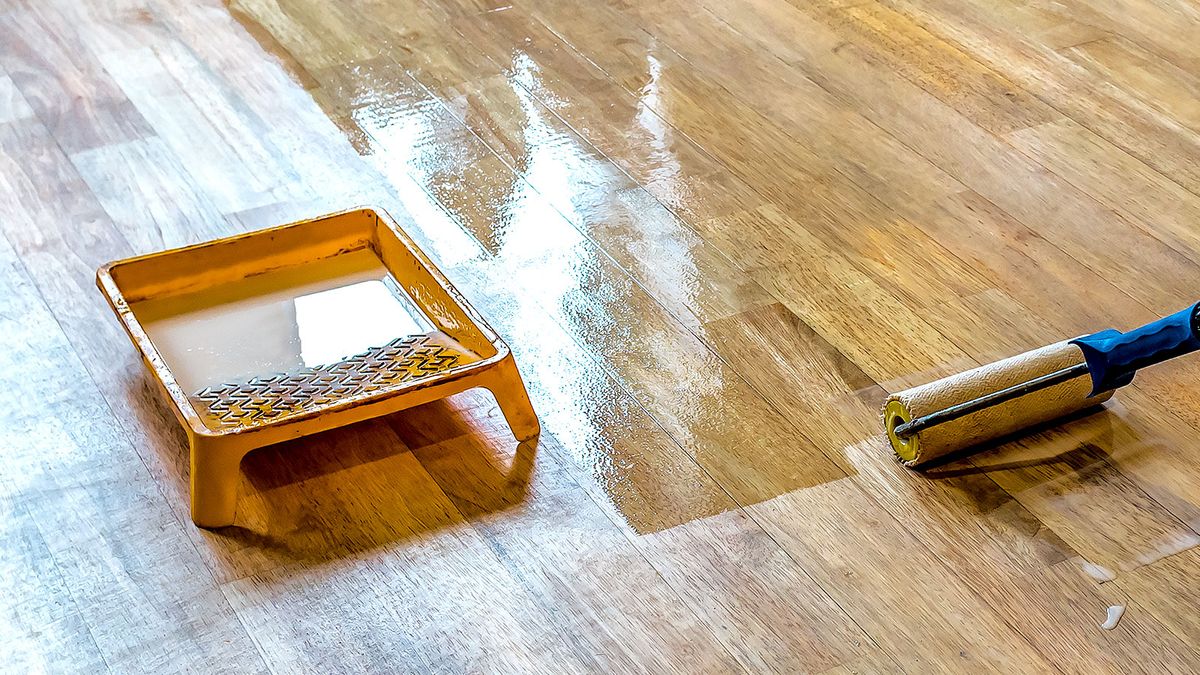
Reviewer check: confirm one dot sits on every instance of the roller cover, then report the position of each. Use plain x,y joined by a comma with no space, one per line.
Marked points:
996,421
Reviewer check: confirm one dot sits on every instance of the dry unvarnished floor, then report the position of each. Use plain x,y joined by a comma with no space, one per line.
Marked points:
716,233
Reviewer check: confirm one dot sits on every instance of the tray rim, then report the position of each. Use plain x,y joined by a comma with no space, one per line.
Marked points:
180,402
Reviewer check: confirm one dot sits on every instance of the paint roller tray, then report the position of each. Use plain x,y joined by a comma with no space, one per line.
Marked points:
294,329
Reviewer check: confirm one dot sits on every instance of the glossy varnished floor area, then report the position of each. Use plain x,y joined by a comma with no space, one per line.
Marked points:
716,233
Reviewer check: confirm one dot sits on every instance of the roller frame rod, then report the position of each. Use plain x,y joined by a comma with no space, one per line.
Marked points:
988,400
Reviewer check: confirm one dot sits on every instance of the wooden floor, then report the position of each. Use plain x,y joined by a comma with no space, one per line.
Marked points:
716,233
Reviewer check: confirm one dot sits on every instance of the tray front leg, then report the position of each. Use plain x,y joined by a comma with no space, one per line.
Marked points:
504,381
215,477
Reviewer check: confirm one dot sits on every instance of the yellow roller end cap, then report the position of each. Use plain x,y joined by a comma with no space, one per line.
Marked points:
895,414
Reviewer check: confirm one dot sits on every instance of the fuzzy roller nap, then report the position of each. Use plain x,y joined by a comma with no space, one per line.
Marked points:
1002,398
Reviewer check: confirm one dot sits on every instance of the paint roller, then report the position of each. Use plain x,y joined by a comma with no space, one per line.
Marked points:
1002,398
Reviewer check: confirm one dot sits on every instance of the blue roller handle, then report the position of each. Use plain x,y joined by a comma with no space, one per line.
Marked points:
1114,357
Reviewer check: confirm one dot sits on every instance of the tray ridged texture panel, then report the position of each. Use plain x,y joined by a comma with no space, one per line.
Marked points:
268,399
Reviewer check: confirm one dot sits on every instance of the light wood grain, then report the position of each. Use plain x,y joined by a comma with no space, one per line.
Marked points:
87,528
1059,609
716,234
1163,590
877,571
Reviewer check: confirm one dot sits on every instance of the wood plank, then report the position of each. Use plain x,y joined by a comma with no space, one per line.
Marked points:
308,150
625,128
877,235
834,140
1150,78
875,663
835,298
1149,441
68,89
698,284
1108,517
1113,177
329,36
442,589
857,552
1023,263
1158,27
13,106
801,374
819,191
984,96
609,601
1060,609
43,628
228,152
994,38
968,520
1164,590
1057,27
634,351
1072,221
619,453
769,611
102,600
142,185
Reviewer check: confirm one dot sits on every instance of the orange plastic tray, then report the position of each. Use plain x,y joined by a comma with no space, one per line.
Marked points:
297,329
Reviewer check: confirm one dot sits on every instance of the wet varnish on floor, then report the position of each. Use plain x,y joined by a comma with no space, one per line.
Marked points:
716,234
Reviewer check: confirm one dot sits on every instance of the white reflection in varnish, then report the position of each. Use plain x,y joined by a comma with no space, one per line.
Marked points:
403,147
660,134
646,237
551,167
564,387
674,277
541,248
540,252
597,197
